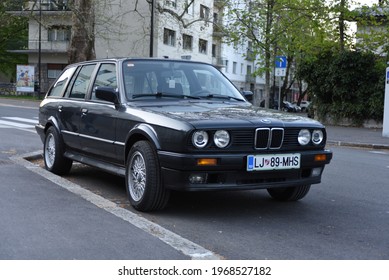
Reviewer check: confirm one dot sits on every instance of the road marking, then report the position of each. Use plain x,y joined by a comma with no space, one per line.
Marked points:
379,152
15,124
19,123
33,121
185,246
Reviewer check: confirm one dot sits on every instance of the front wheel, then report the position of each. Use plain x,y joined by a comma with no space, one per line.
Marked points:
289,193
143,183
53,153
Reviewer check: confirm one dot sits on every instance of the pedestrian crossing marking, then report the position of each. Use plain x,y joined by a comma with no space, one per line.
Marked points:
18,123
21,119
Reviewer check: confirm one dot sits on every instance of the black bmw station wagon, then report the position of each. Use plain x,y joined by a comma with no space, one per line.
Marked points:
176,125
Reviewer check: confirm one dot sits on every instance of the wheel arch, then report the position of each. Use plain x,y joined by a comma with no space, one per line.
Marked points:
52,122
142,132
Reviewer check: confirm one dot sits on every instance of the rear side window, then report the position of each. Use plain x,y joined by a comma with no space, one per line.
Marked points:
81,84
61,82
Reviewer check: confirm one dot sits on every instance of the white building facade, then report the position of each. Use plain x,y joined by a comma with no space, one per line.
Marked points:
123,28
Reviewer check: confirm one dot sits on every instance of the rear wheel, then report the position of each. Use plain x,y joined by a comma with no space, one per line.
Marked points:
289,193
53,150
144,187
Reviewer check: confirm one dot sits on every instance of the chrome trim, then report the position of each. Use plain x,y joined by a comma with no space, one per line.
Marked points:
269,139
70,133
94,138
256,138
97,138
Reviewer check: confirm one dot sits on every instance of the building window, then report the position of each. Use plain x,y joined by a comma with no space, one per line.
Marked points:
213,50
204,12
203,46
248,70
58,33
187,42
189,8
226,65
54,70
171,3
234,66
169,37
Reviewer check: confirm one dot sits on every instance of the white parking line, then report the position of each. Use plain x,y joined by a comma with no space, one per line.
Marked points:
185,246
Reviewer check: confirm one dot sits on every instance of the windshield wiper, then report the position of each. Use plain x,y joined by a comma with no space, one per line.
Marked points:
164,94
221,97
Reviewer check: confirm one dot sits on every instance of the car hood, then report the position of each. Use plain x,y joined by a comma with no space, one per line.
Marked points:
204,113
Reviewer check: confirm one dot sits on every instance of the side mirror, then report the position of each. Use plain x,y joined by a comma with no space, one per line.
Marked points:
108,94
248,95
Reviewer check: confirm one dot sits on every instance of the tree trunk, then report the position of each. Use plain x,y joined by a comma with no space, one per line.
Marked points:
268,28
82,41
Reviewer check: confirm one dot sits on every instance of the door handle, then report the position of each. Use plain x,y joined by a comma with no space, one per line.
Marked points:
84,112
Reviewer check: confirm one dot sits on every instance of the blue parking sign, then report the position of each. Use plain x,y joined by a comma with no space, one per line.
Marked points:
281,61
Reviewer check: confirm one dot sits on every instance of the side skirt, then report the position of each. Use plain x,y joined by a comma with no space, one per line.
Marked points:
108,167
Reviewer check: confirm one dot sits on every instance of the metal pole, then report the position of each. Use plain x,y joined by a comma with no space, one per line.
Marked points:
279,94
152,28
385,129
39,48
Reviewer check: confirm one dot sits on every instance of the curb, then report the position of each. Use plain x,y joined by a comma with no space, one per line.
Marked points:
358,145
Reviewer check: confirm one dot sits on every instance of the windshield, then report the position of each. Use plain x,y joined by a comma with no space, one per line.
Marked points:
176,79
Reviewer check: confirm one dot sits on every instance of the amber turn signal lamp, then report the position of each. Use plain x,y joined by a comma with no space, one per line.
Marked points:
320,158
206,161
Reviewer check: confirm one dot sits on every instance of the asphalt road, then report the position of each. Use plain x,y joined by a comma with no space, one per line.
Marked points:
344,217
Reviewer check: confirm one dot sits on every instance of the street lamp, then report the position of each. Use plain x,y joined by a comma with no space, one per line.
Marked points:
152,28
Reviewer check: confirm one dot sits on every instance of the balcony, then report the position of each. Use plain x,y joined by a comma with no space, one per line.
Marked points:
219,3
250,56
49,46
218,30
48,5
250,78
218,61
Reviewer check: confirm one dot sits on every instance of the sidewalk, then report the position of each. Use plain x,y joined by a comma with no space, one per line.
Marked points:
357,137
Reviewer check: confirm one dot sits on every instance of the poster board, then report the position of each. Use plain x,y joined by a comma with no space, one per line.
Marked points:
25,78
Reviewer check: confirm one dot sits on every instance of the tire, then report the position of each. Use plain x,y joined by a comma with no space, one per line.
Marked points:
53,150
289,193
143,182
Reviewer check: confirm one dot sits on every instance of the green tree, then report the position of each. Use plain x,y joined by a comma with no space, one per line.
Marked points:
13,36
294,28
347,84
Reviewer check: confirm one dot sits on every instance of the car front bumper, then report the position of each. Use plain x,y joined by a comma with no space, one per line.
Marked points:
181,172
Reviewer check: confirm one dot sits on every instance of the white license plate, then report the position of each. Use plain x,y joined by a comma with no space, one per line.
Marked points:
273,162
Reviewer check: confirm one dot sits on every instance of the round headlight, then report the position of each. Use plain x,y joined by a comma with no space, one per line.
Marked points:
200,139
304,137
221,138
317,137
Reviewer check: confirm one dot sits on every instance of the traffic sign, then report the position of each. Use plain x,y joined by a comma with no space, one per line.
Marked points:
281,61
280,66
280,72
